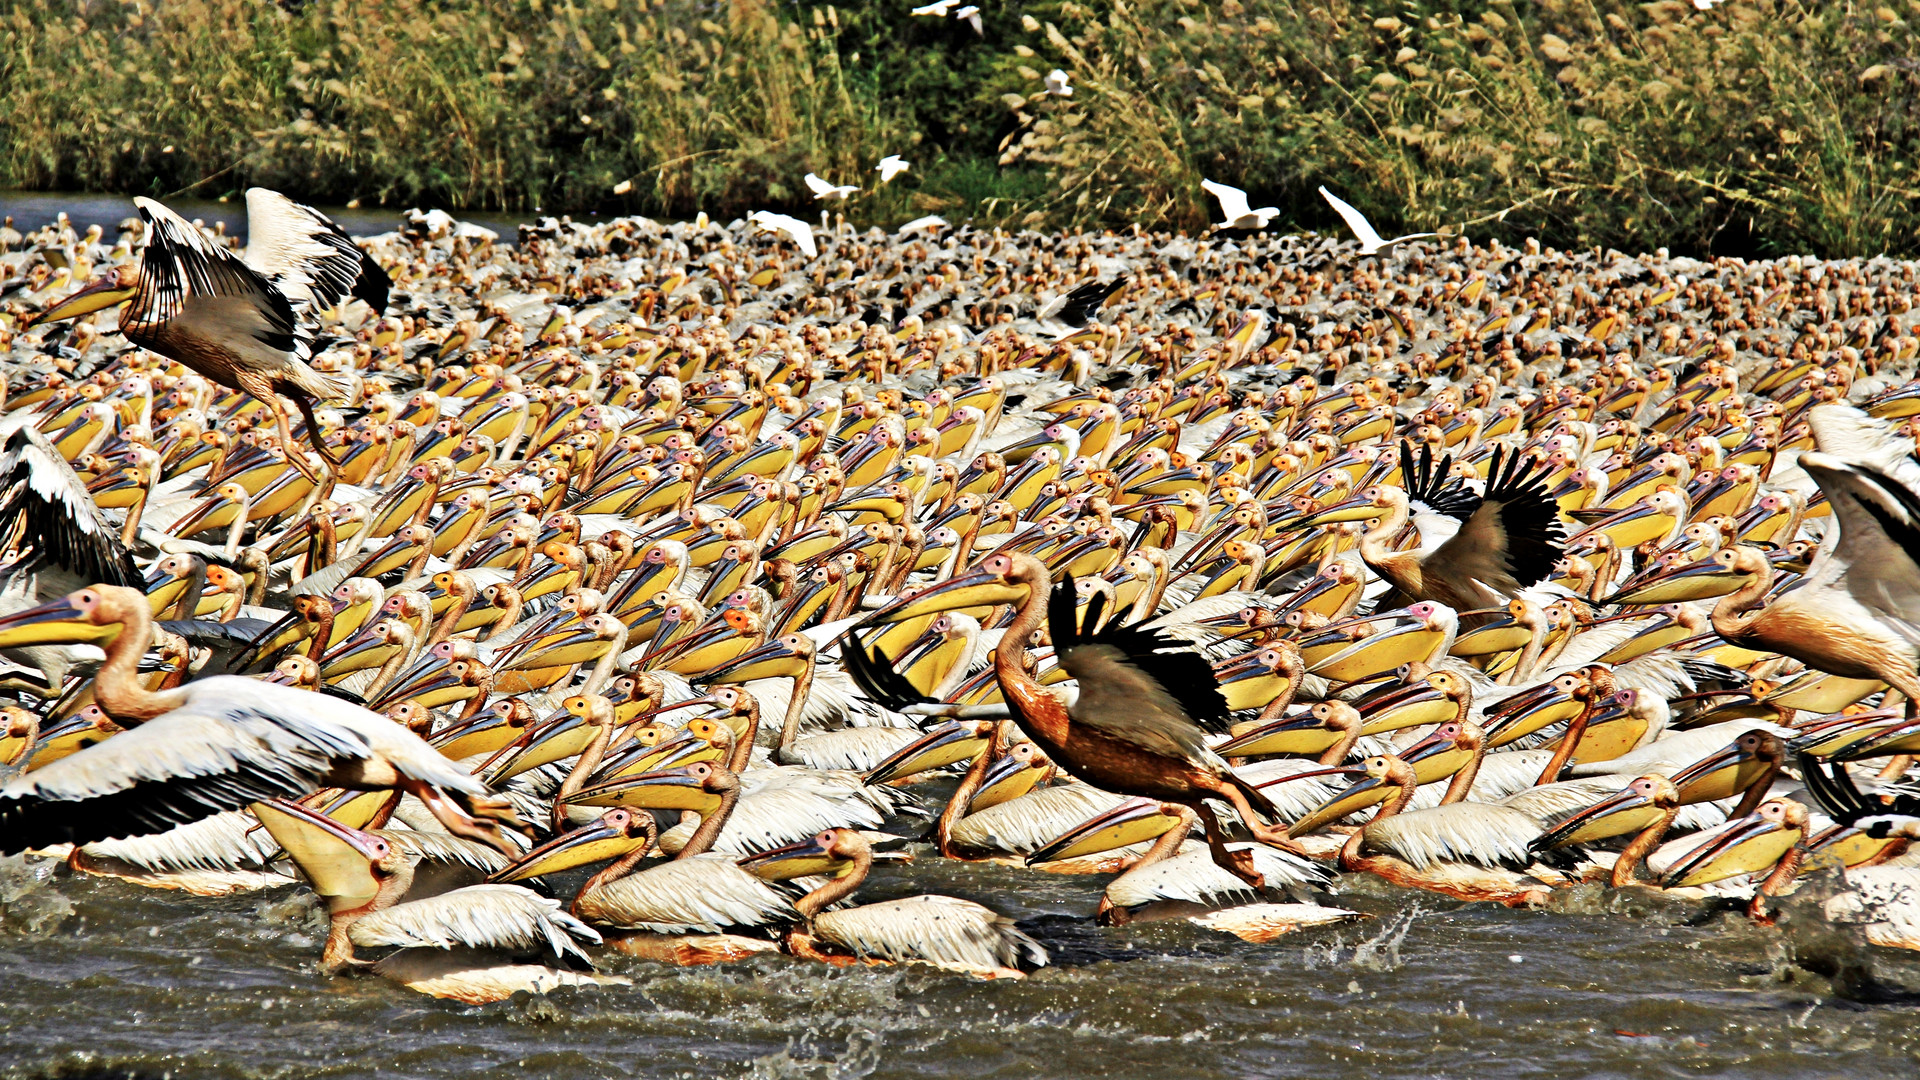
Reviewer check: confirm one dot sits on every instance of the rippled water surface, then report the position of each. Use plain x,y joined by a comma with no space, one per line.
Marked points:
104,978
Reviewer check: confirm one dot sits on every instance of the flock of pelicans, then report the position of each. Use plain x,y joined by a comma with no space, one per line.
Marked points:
423,570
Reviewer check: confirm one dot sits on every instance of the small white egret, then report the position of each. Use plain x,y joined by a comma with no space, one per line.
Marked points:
1233,205
1057,84
938,9
823,190
1370,241
971,15
891,166
796,230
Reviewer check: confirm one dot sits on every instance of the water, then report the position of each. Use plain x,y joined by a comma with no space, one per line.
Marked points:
108,979
32,209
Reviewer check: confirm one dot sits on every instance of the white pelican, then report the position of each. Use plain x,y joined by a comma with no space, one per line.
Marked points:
462,944
944,931
210,745
1363,230
1234,207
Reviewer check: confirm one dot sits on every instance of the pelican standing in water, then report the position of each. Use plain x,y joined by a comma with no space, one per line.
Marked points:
242,322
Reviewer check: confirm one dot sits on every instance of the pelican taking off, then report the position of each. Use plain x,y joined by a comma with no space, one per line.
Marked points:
242,322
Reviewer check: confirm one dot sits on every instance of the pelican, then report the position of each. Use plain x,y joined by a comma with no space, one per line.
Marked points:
214,744
1476,551
451,945
943,931
241,322
1132,729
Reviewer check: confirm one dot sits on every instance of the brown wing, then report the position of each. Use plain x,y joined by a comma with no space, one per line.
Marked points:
1511,540
1122,702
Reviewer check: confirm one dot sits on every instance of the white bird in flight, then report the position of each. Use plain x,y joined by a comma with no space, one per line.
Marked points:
1233,204
938,9
923,224
823,190
971,14
1057,83
890,166
796,230
1370,242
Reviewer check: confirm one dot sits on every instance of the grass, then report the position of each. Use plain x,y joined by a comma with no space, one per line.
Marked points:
1761,126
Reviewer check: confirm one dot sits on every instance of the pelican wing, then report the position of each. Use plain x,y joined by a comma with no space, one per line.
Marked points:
234,741
707,893
1434,489
1363,229
309,258
1081,303
1233,201
478,916
167,772
941,930
1486,834
211,291
1512,539
1136,685
45,507
1877,558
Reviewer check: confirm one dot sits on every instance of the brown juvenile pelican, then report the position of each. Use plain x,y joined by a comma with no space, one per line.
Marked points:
241,322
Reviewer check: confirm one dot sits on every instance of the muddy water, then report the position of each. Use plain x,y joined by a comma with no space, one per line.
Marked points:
106,979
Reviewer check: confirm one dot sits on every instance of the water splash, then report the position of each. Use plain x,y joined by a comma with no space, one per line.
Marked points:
29,904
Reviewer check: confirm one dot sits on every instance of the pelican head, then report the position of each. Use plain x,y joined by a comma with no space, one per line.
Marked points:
1000,578
92,615
118,286
617,833
1628,810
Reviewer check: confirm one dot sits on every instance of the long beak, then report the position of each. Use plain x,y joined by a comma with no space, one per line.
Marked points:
584,846
667,789
1749,846
487,733
66,737
557,740
802,858
1702,580
948,744
772,660
1303,734
1365,792
56,622
1720,775
1623,812
1406,707
97,296
1382,652
338,860
1551,706
1354,509
1132,822
976,588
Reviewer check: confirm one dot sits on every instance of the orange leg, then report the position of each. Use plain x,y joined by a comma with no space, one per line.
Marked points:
1270,835
263,391
1237,863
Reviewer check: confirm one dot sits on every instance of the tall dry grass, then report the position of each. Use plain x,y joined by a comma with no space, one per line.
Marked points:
1761,125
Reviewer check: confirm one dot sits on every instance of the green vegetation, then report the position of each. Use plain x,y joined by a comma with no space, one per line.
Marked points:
1762,125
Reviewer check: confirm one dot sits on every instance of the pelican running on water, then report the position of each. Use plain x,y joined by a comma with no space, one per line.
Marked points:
242,322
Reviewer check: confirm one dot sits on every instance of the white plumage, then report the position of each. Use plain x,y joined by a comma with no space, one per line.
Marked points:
505,917
945,931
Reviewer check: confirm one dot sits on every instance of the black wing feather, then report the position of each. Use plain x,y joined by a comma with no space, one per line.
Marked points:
45,506
1434,484
1172,663
875,676
1085,300
1536,537
140,809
